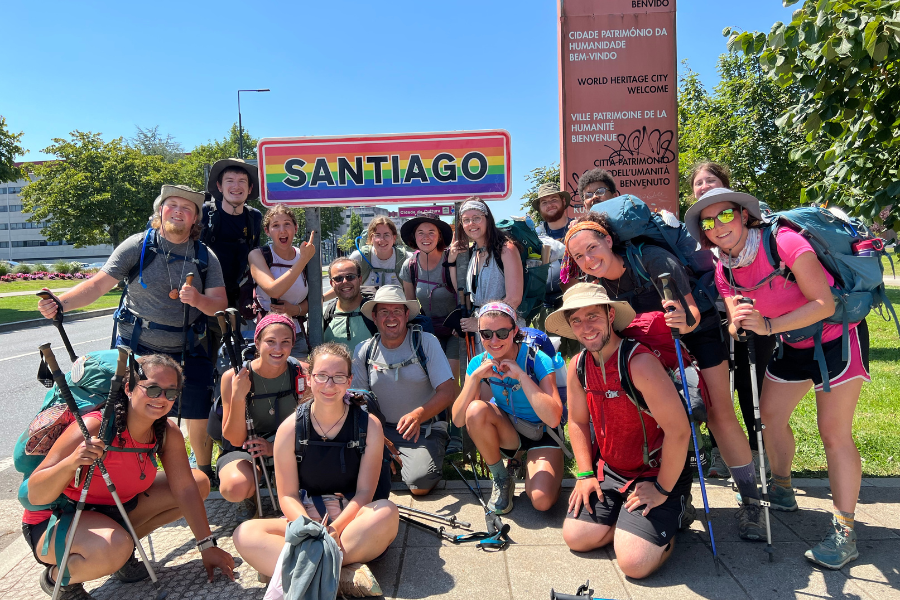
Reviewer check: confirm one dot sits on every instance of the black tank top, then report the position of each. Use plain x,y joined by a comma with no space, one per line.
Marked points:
331,467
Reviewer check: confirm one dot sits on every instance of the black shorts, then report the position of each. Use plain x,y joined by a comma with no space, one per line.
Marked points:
34,532
799,364
707,346
526,444
658,527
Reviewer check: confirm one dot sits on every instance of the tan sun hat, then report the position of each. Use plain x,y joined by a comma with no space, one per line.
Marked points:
179,191
587,294
548,189
390,294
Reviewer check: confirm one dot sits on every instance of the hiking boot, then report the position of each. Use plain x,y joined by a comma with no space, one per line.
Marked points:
717,468
837,549
357,581
779,498
133,571
246,509
689,514
73,591
501,501
749,518
755,454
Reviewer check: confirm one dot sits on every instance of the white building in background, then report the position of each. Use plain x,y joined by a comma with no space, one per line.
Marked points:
22,241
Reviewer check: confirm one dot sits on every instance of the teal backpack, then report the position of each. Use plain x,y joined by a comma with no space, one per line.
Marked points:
534,285
852,256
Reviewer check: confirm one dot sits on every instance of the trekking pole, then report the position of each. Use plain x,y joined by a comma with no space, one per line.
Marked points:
114,388
666,282
451,520
234,324
66,394
757,419
491,519
189,280
58,321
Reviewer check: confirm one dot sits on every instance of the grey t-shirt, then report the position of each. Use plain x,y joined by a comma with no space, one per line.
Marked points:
400,391
153,303
432,294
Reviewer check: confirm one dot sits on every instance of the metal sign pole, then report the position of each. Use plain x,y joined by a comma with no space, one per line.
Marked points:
314,318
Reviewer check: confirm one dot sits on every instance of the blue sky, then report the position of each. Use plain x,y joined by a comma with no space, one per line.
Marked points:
334,68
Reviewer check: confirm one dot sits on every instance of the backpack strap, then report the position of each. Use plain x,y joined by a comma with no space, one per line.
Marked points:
418,356
626,350
301,431
579,368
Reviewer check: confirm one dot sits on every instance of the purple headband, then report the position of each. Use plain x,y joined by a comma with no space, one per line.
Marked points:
271,319
499,307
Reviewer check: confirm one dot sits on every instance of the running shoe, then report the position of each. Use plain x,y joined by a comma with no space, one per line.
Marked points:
717,468
246,509
837,549
132,571
501,501
750,526
455,445
357,581
73,591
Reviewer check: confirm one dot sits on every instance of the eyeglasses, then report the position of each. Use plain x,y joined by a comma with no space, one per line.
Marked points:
488,334
392,312
322,378
154,391
726,216
473,220
341,278
598,192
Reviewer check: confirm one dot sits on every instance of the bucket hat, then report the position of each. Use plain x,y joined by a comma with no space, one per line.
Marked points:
408,229
714,196
179,191
587,294
548,189
221,165
390,294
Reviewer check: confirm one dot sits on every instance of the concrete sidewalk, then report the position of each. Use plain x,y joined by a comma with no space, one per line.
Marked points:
419,566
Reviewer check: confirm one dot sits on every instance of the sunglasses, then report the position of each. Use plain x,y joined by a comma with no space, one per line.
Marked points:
726,216
598,192
341,278
488,334
322,378
154,391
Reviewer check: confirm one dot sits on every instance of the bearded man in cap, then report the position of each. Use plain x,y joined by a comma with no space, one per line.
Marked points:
155,263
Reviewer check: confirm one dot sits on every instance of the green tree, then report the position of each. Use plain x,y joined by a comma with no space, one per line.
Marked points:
9,150
191,166
348,240
844,56
97,192
536,178
735,125
152,143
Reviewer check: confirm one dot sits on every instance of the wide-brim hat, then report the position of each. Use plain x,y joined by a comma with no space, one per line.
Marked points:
221,165
180,191
390,294
714,196
587,294
549,189
408,230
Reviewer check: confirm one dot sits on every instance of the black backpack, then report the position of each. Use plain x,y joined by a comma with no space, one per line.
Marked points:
211,220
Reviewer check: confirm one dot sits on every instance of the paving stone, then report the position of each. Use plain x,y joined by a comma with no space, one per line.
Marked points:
454,572
559,568
876,570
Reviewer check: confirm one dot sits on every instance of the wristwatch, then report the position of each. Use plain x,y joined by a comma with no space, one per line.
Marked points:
206,543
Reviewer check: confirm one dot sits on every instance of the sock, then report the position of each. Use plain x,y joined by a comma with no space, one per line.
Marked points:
745,479
498,471
844,519
782,481
207,470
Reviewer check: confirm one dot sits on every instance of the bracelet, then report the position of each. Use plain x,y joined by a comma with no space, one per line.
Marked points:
584,475
768,323
206,543
660,489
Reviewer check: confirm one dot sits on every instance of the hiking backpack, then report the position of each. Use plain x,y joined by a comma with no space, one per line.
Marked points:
366,403
366,267
635,226
253,224
446,282
418,356
329,311
150,249
852,256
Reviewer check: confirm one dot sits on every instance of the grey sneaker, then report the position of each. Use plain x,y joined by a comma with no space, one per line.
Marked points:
717,467
779,498
749,518
133,571
837,549
501,501
73,591
357,581
689,515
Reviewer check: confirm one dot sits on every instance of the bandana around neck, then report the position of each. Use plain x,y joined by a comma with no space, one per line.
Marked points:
747,254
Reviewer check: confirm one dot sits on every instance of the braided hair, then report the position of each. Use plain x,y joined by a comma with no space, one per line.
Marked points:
145,363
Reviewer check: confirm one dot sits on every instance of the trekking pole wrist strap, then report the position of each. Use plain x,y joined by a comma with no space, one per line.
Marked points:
661,490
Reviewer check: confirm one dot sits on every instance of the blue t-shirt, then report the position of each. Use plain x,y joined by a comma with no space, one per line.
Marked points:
515,403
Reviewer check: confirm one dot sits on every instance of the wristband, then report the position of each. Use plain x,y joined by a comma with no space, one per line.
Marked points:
584,475
768,323
206,543
660,489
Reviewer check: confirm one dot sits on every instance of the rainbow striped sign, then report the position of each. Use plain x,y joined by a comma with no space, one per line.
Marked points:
364,170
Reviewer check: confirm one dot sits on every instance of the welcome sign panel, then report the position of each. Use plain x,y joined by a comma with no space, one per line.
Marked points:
365,170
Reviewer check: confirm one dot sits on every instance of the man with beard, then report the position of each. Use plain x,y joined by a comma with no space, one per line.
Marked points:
344,322
150,319
632,493
411,377
231,227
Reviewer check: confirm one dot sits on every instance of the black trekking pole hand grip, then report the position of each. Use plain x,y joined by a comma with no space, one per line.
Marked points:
665,279
63,386
46,294
742,333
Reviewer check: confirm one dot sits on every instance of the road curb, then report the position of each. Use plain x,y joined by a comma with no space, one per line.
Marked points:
31,323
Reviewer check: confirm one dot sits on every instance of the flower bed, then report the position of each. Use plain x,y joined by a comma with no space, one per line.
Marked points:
42,276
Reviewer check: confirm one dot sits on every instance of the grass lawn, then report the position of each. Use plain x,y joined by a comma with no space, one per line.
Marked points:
22,308
888,271
33,286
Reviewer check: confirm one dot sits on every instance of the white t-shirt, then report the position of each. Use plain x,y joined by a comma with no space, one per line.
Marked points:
296,293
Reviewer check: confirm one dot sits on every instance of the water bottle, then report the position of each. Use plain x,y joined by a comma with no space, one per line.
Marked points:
529,221
864,248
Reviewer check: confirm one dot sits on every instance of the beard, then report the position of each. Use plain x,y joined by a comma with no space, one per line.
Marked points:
177,229
598,343
554,215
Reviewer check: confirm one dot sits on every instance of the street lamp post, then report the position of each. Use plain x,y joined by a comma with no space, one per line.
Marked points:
240,125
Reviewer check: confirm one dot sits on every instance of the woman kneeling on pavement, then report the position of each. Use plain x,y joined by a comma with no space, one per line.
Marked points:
731,222
507,410
319,488
592,248
274,399
102,545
